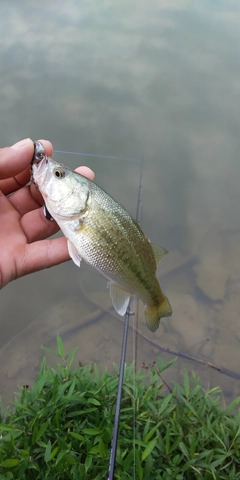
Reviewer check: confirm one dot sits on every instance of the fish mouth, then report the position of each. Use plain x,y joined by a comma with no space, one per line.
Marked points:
39,153
39,171
39,157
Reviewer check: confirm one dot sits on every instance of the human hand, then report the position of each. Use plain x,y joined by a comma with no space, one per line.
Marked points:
24,230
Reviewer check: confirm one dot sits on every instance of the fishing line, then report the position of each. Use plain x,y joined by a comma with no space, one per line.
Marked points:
112,157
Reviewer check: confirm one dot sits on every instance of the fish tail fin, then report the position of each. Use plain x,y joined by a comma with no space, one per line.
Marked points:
153,314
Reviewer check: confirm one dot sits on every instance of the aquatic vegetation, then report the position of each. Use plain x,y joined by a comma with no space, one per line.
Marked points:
61,427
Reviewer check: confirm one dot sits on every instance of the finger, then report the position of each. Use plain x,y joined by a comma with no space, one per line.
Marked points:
9,221
23,201
15,161
43,254
31,227
37,227
86,172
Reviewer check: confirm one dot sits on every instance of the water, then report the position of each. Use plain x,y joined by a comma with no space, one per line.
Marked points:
158,81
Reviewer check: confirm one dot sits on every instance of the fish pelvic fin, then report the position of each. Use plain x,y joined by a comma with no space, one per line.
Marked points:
73,253
120,298
153,314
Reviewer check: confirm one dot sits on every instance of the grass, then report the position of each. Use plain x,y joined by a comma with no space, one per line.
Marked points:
61,427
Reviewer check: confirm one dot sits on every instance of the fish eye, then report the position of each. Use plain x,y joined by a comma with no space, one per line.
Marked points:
59,172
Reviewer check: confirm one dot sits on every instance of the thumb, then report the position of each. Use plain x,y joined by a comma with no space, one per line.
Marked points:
15,159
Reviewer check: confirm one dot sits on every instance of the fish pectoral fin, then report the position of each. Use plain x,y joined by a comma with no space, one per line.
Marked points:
159,252
74,254
120,298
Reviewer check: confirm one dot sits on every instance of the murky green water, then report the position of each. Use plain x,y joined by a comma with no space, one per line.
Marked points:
151,80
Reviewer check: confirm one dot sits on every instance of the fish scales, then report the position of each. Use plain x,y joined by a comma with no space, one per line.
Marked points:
100,231
114,229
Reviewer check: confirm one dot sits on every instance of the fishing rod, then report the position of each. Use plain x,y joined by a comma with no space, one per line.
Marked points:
113,451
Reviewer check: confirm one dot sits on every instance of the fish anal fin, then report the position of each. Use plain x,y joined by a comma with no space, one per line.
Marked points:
120,298
159,252
74,254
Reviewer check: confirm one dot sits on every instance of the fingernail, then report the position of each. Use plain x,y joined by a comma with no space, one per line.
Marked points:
22,143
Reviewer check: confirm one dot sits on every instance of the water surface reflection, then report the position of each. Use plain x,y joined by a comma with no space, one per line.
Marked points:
160,83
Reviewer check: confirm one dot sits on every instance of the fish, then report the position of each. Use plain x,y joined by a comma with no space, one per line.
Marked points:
102,233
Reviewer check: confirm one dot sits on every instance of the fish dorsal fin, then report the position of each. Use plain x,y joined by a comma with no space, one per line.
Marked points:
74,254
159,252
120,298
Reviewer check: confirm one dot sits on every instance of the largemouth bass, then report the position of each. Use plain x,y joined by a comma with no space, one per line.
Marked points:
100,231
